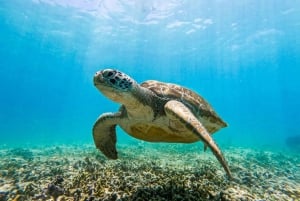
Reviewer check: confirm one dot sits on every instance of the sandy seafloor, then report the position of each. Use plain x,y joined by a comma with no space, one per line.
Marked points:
146,172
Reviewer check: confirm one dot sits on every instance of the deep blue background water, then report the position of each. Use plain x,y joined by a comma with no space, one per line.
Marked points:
242,56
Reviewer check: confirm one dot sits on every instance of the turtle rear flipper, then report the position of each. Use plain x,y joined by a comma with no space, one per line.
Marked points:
104,133
177,110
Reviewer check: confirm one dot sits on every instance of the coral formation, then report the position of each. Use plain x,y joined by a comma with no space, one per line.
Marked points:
80,173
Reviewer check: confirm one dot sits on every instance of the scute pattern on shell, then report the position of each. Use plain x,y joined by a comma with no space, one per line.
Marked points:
200,107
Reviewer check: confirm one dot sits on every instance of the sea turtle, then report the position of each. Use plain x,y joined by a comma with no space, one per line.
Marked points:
156,112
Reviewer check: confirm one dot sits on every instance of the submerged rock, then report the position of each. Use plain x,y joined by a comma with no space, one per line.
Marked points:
54,191
293,142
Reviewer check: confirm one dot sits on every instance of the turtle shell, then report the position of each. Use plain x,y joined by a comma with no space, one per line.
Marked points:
197,104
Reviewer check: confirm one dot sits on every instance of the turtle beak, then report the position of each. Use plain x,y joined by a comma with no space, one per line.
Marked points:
98,78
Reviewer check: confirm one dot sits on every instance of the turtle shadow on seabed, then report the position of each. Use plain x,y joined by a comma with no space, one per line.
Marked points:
293,143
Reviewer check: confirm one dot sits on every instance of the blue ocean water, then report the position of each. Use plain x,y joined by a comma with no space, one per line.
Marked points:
241,56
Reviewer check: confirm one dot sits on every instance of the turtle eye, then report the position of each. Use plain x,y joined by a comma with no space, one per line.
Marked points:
108,73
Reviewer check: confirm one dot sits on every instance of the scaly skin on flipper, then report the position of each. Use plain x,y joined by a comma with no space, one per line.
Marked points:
177,110
155,112
104,133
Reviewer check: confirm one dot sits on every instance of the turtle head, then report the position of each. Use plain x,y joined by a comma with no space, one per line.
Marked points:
114,84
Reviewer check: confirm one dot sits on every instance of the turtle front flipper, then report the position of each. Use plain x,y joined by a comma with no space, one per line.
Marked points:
104,133
177,110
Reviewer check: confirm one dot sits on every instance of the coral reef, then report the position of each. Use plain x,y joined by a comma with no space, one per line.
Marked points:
146,172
